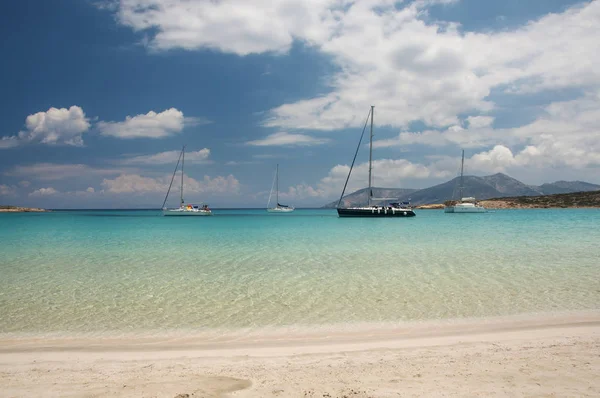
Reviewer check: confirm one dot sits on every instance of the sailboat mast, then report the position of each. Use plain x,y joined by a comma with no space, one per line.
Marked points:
182,162
371,154
277,186
462,165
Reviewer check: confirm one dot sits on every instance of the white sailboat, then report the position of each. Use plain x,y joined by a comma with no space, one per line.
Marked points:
183,210
466,204
279,208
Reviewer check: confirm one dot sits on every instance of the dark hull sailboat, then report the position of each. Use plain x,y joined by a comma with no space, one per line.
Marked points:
393,209
375,211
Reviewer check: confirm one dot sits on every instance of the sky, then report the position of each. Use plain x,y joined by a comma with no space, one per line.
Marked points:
99,96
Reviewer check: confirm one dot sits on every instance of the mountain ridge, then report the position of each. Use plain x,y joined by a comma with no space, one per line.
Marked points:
486,187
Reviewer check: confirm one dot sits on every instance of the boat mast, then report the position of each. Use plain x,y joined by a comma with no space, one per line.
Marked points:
462,165
182,162
277,186
172,178
371,154
354,159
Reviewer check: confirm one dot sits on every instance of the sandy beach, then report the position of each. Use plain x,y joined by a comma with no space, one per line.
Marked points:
547,355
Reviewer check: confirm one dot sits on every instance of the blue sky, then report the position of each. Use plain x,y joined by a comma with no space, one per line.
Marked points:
98,96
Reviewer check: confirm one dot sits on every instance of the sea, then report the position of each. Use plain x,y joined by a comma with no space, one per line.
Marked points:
114,272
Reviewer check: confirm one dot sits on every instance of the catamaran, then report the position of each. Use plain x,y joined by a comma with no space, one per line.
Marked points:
464,205
183,210
392,209
279,208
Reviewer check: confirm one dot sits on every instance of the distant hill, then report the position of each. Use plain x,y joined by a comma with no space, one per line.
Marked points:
493,186
567,187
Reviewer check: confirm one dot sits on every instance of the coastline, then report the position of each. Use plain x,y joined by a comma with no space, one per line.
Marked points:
18,209
573,200
524,355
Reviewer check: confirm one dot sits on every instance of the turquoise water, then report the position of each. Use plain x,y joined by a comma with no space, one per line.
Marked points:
131,271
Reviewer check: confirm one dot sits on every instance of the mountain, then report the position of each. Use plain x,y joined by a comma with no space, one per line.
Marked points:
568,187
360,197
493,186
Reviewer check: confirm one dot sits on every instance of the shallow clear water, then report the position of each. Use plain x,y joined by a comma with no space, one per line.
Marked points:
123,271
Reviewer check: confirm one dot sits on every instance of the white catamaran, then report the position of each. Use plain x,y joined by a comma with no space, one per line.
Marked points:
183,210
464,205
392,209
279,208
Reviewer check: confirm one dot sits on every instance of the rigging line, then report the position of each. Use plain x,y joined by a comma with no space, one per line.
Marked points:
353,160
271,193
172,178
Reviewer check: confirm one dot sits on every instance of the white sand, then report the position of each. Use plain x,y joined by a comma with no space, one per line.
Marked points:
548,356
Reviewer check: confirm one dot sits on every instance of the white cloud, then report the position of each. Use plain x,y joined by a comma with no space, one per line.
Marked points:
44,192
287,139
432,72
54,127
90,190
494,160
135,183
240,162
388,173
475,122
9,142
53,171
6,190
24,184
233,26
388,53
170,157
478,134
150,125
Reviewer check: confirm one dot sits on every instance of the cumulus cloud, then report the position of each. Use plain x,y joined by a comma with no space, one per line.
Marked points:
478,133
411,67
170,157
135,183
44,192
233,26
150,125
54,127
54,171
287,139
391,173
432,72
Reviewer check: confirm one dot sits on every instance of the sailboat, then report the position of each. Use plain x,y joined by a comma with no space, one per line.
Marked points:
464,205
392,209
183,210
279,208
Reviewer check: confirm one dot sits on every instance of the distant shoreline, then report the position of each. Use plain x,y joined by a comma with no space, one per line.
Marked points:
575,200
18,209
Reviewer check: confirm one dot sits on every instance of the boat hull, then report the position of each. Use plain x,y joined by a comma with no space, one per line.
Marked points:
280,210
460,209
185,213
375,212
